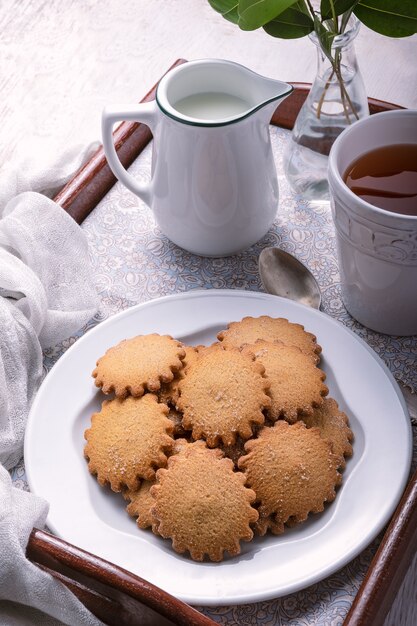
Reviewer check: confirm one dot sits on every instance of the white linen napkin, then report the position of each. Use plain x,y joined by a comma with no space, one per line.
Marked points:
46,294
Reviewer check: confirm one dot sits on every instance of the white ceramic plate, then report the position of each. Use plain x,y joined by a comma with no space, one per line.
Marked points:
93,518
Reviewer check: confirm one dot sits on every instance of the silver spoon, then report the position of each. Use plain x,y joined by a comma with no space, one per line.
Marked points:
11,295
284,275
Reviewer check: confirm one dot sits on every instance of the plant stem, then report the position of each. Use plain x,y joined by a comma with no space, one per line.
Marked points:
310,6
335,61
343,91
334,17
343,98
339,77
346,94
323,95
347,103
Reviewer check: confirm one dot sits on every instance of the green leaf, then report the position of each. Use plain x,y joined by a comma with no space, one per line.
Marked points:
340,6
256,13
293,23
325,37
227,8
346,17
394,18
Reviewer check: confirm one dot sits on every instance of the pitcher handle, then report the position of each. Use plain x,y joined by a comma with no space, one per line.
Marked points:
147,113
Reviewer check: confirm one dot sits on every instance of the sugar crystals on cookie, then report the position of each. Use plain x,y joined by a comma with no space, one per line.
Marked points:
293,472
139,364
127,440
223,395
169,391
250,329
140,503
202,504
296,383
333,425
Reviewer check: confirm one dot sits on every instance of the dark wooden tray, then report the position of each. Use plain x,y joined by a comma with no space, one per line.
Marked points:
120,598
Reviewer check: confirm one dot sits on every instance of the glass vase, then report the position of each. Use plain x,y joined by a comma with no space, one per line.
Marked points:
336,100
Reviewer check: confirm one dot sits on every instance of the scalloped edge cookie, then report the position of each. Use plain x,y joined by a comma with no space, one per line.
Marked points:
202,504
250,329
139,364
140,504
293,472
128,440
296,383
169,392
333,425
223,395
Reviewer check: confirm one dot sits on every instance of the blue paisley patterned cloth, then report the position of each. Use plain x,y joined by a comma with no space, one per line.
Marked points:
133,262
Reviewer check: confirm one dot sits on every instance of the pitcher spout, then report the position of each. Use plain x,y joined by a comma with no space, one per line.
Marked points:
214,92
269,90
270,94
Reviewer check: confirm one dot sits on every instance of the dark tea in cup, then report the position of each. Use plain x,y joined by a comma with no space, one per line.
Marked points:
386,177
373,194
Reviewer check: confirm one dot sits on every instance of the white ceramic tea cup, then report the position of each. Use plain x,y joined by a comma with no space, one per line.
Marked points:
377,249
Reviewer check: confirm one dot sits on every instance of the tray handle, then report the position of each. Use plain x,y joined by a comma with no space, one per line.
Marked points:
111,593
389,565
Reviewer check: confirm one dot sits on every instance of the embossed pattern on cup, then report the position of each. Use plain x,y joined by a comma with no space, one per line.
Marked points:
377,249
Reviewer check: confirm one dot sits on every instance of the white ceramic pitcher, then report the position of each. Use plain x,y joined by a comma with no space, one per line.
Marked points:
214,188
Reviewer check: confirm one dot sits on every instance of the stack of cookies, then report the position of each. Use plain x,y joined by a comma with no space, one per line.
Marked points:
211,445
